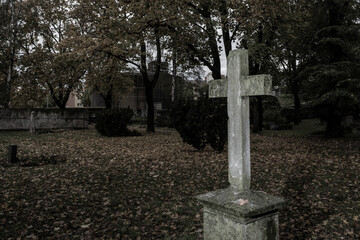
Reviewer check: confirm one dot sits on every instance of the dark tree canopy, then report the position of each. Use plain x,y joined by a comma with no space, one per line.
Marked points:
52,48
334,81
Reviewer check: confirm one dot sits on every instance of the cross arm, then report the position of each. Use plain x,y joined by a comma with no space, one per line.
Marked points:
218,88
250,86
256,85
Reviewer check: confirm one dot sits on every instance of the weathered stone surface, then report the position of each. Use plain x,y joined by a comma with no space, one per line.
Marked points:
20,119
218,88
237,88
250,85
32,128
256,85
231,214
238,109
243,205
221,226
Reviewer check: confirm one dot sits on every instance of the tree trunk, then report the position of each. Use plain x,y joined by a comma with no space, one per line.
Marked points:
9,81
108,101
225,27
62,105
333,126
173,79
151,110
261,111
62,99
216,67
56,100
108,97
296,108
258,107
150,85
258,115
295,86
214,50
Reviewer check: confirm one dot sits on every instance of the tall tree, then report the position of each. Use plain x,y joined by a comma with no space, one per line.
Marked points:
199,27
260,20
133,32
11,36
334,83
293,47
203,26
51,58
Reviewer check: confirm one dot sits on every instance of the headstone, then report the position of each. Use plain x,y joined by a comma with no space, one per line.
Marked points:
347,122
32,123
239,212
12,154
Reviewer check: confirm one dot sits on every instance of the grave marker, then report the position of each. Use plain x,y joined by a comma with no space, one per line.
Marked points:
12,154
32,128
238,212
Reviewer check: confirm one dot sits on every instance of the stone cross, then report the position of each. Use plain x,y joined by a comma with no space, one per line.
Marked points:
238,212
238,87
32,129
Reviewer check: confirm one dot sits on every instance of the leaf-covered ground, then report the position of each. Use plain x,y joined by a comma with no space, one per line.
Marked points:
80,185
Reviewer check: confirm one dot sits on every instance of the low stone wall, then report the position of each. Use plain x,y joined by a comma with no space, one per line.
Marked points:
19,119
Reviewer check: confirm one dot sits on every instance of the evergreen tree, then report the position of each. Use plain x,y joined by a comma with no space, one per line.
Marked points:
334,81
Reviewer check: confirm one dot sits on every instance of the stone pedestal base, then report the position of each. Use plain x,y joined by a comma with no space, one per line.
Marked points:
230,214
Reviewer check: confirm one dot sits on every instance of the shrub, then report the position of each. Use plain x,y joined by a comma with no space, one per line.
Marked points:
189,122
202,121
217,123
163,118
274,116
274,120
112,123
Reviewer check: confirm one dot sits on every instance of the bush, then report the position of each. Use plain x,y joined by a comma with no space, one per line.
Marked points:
201,122
163,118
189,122
274,116
114,123
217,119
274,120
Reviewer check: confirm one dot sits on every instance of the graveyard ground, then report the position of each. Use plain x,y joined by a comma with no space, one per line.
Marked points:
80,185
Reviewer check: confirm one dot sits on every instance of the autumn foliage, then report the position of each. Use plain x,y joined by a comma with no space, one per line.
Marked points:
131,188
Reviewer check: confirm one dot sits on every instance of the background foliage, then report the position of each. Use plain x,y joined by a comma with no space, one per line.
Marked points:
202,121
114,123
58,47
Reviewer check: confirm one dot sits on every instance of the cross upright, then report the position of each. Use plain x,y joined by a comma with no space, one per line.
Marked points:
238,87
